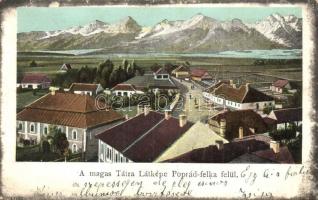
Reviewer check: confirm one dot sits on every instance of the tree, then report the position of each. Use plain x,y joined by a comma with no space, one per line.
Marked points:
103,73
268,109
296,99
59,140
33,64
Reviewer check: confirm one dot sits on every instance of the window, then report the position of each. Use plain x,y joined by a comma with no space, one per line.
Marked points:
107,153
32,128
270,103
74,134
119,93
45,130
74,148
159,76
125,93
20,127
165,76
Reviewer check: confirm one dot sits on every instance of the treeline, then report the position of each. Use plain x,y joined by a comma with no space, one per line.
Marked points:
106,74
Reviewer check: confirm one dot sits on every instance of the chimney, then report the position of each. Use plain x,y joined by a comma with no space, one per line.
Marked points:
274,145
139,109
126,117
252,130
231,82
241,132
52,91
222,127
146,109
182,120
167,114
219,144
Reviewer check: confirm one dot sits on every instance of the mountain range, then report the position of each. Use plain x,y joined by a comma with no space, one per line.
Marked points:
199,34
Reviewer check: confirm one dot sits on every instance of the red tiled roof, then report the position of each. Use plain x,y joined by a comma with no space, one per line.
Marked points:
83,87
68,109
198,72
288,115
243,94
283,156
144,138
280,83
126,87
35,78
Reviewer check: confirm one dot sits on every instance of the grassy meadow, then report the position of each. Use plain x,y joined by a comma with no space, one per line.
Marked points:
50,64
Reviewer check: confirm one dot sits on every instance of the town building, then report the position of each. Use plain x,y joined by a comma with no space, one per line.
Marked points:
181,72
86,88
35,81
255,148
65,67
123,89
282,118
237,124
75,115
198,74
158,81
142,138
280,85
198,136
242,98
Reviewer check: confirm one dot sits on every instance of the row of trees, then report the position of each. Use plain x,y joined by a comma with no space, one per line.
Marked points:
107,74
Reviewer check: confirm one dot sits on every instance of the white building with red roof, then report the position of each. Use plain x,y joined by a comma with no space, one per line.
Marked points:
279,86
35,81
78,116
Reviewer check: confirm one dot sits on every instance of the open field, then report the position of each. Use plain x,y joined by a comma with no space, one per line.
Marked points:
26,97
49,64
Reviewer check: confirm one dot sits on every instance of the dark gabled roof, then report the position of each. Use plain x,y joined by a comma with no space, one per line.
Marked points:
157,141
229,152
67,66
83,87
126,87
280,83
243,94
288,115
181,68
141,82
144,138
68,109
216,85
240,118
283,156
35,78
161,71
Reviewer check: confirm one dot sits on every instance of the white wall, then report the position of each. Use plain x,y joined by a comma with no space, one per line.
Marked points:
108,154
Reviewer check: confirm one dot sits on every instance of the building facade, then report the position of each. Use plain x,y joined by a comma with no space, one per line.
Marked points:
35,81
73,114
242,98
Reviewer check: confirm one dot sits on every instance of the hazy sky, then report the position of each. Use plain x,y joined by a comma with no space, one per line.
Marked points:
44,19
